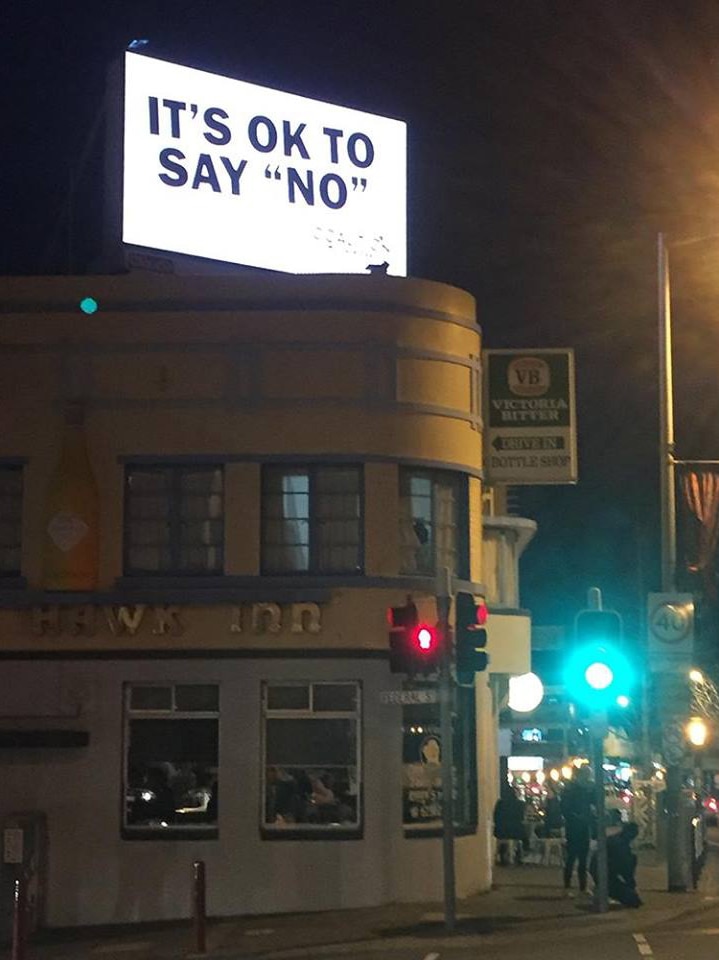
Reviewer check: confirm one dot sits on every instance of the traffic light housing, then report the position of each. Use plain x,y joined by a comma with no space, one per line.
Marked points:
597,671
414,647
470,637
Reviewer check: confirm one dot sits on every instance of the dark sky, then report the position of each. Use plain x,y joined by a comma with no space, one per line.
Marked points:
549,142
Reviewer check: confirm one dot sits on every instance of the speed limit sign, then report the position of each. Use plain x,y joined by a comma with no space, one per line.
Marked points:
670,628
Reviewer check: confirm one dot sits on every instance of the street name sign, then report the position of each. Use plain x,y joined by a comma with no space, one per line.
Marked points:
530,416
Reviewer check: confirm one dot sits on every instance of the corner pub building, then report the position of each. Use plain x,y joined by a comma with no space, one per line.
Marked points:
211,491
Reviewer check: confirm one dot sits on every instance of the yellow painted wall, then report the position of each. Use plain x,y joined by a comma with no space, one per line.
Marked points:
372,369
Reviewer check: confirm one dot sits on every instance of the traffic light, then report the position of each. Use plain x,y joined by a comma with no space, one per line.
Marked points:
88,305
597,672
470,637
414,647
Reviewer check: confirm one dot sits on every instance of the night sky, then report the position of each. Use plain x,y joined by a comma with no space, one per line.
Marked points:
549,142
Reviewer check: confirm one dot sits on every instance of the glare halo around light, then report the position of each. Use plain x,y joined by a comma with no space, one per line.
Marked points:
525,692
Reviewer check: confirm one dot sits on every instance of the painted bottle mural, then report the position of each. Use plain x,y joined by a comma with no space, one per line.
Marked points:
72,514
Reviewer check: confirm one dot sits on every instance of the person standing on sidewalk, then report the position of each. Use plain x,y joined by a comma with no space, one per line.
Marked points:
577,810
509,825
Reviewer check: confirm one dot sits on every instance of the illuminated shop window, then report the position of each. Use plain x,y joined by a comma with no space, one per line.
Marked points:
432,520
170,783
10,520
174,520
312,519
311,763
422,764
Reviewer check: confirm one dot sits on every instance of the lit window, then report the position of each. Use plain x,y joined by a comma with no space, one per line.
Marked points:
311,734
171,754
174,520
422,763
311,520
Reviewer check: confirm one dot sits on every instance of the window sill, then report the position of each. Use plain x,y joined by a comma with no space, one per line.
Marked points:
206,832
317,833
418,833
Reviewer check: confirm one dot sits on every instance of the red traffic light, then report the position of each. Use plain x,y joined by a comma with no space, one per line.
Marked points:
425,638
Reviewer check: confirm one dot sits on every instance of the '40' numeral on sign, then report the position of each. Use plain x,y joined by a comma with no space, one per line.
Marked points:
671,622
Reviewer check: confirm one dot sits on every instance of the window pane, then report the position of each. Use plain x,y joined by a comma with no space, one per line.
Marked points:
311,520
312,796
421,760
151,698
175,520
334,696
311,761
288,698
197,696
310,742
429,519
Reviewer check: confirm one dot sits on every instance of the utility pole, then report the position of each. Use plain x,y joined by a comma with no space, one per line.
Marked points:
444,602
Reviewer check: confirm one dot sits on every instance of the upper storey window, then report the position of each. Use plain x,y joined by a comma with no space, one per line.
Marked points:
432,522
311,519
10,520
174,520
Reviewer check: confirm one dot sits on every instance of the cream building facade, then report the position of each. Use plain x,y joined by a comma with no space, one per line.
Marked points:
212,490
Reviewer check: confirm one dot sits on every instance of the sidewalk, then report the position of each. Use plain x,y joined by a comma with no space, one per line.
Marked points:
524,898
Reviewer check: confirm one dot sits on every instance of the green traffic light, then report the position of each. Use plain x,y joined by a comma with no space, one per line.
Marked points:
88,305
597,674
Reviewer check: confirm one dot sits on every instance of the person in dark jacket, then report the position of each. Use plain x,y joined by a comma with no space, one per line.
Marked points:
577,810
621,866
509,824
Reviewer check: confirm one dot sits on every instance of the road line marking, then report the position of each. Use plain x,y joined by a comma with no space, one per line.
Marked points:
639,937
432,956
645,949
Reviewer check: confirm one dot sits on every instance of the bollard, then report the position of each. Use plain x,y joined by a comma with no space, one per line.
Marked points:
19,921
198,887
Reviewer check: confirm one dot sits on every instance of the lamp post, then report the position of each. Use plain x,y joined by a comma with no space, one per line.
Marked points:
677,878
667,493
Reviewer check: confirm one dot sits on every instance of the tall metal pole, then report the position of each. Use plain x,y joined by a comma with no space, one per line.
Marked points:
598,730
676,852
444,599
666,420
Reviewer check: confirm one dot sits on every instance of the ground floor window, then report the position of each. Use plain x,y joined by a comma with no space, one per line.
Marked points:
311,763
422,760
170,783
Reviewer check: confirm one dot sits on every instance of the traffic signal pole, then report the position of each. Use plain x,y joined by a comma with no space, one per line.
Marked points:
598,729
444,600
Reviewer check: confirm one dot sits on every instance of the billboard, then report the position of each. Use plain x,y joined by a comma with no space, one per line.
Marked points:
530,417
228,170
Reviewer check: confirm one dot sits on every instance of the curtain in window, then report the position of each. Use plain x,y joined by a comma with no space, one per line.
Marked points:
286,511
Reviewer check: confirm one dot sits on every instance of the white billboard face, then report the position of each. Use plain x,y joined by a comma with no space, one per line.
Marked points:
228,170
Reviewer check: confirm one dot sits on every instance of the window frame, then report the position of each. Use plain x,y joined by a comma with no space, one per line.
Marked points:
461,486
175,831
311,831
174,546
312,470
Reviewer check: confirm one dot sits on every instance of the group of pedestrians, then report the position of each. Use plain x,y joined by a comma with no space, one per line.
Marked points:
574,813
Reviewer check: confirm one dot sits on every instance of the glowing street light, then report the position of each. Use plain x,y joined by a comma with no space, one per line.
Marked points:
697,731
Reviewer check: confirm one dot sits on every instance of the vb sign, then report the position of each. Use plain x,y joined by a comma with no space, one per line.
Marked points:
231,171
530,416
